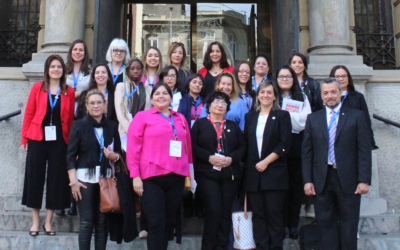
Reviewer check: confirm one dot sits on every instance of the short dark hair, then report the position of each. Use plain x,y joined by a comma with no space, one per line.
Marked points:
164,73
266,59
350,87
207,62
158,85
93,83
295,90
218,95
190,78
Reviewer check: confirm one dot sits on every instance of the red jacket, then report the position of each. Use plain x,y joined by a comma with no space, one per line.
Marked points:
35,112
203,71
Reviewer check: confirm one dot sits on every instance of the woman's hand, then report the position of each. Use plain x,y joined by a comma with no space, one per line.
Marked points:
77,94
262,165
138,186
226,161
76,190
216,160
24,147
109,153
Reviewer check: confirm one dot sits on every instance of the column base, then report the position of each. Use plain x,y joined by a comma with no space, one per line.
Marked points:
55,48
331,50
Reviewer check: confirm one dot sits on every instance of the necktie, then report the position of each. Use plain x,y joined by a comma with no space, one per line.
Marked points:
332,135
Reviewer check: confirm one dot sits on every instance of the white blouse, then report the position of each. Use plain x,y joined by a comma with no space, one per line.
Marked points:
176,100
262,121
299,119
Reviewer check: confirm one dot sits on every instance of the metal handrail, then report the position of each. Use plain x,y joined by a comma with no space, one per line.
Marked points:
387,121
8,116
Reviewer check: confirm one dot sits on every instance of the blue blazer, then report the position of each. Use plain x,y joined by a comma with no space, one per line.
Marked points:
185,107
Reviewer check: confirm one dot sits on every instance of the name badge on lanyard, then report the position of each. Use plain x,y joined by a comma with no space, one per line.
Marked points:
50,131
76,78
336,115
255,84
219,132
115,77
100,138
175,147
154,80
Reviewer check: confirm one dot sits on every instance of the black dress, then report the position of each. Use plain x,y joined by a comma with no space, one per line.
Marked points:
52,153
209,84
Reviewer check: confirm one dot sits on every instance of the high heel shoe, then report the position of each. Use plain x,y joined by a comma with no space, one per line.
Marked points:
51,233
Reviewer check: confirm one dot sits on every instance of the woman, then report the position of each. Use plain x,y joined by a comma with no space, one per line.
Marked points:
47,121
352,98
242,75
158,156
192,101
261,69
89,156
289,89
117,56
177,57
152,61
267,135
310,87
101,79
132,96
215,62
217,168
169,75
226,83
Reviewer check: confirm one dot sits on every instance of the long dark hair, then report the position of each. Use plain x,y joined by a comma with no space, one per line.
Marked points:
207,62
189,79
46,77
350,87
295,90
305,62
164,73
85,62
249,85
93,83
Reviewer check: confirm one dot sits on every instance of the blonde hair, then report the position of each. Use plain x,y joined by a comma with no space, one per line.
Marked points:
159,62
173,47
118,43
94,92
235,88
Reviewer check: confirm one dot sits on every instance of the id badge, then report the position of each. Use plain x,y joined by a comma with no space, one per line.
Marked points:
50,133
129,115
215,167
97,176
175,148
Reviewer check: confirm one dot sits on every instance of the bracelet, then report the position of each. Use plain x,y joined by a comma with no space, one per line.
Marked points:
73,183
117,158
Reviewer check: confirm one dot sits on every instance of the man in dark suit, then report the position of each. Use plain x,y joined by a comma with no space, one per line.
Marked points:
336,165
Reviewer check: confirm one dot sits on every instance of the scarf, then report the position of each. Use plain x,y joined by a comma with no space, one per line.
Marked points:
138,100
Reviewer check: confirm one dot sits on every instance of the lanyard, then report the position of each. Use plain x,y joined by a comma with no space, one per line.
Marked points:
100,138
254,81
105,93
196,104
131,94
53,104
171,122
119,71
336,115
247,99
154,80
76,78
219,131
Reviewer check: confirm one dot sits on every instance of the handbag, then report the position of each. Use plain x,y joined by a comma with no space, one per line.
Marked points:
109,198
243,229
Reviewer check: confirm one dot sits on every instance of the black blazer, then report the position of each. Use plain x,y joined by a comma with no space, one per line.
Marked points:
276,139
352,150
356,100
313,92
204,144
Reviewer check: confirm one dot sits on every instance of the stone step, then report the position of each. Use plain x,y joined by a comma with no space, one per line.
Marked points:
382,224
379,242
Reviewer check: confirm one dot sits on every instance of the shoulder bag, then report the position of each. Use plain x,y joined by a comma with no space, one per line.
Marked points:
109,198
243,229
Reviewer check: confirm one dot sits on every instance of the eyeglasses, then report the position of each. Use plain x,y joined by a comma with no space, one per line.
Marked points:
93,104
171,76
222,103
119,51
285,77
343,77
244,72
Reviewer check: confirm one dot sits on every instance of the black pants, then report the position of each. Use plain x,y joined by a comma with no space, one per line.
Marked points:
91,217
295,193
217,191
54,153
160,201
268,218
337,215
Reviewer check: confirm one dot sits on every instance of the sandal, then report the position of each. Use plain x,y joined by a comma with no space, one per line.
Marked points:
33,233
51,233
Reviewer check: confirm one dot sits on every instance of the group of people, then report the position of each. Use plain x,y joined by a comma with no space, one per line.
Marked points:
231,127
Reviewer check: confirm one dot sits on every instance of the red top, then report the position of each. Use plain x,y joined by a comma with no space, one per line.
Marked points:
35,111
203,71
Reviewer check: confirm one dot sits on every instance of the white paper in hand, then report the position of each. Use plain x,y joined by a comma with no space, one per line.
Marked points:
292,106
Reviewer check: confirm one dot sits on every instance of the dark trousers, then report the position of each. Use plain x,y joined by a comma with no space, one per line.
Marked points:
160,202
54,155
295,193
268,218
337,215
217,191
91,217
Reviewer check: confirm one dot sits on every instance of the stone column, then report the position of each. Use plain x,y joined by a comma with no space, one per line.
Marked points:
329,27
64,22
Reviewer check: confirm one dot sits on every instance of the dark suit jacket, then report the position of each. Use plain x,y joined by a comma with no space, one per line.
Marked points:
352,150
313,92
356,100
276,139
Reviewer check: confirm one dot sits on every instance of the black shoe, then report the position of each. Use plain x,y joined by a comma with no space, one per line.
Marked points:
293,234
72,209
60,212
